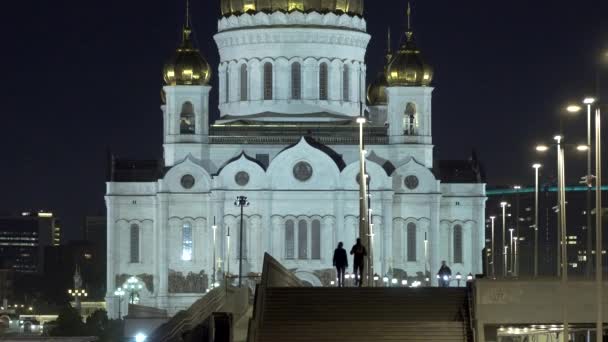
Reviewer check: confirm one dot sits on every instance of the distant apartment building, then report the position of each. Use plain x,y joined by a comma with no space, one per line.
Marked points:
23,239
519,221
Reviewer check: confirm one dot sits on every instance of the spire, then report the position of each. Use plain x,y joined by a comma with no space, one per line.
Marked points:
187,31
389,49
409,33
409,17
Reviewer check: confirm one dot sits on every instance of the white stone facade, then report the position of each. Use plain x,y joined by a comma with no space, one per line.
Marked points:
303,192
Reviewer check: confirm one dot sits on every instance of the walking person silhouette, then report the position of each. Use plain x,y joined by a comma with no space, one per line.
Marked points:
359,253
341,263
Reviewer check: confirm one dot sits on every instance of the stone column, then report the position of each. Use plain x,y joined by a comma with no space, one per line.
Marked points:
434,238
480,236
267,243
111,249
339,209
328,240
387,252
161,226
277,238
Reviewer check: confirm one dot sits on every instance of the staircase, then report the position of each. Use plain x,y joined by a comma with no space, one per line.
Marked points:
363,314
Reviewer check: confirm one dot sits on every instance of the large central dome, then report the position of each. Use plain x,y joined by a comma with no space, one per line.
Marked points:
243,6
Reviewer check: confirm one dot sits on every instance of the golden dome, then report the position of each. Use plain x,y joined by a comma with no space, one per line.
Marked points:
338,6
408,68
376,91
187,66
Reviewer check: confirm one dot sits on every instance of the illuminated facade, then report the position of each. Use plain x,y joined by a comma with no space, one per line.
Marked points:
291,84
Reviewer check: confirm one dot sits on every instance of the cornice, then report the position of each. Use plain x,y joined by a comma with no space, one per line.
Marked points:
296,18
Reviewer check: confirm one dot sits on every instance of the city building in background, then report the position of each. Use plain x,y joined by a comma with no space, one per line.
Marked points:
520,218
24,237
291,87
62,261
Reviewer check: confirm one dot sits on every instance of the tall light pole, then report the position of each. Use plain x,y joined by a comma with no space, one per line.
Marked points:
227,254
598,225
536,169
515,266
512,253
363,212
561,175
241,201
589,182
493,218
213,228
503,205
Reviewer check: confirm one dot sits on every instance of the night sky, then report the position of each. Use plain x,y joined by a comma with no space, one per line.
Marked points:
80,77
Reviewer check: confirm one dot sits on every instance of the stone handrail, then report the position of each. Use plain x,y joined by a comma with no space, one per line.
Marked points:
273,275
188,319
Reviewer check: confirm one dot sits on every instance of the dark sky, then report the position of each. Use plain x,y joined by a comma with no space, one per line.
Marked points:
82,76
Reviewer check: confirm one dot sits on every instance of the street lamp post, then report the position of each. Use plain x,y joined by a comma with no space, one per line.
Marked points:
364,232
515,266
213,228
227,254
512,253
536,168
241,201
503,205
78,294
133,287
598,225
119,293
458,278
493,218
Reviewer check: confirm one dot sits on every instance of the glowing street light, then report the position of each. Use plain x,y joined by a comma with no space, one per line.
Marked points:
493,218
503,205
119,293
573,108
536,167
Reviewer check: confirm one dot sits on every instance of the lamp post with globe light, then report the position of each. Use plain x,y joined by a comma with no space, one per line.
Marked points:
458,278
364,232
241,201
133,287
119,293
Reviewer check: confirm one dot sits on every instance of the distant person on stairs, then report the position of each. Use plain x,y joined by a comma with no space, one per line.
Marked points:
340,262
444,275
359,253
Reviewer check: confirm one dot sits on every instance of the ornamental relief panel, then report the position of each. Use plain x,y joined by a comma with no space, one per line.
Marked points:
190,283
293,18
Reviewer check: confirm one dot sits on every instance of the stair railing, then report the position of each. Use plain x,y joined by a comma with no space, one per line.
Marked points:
470,310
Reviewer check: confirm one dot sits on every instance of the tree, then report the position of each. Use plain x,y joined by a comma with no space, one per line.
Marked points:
69,323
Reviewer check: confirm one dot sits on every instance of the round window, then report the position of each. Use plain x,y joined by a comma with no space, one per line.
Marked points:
188,181
411,182
302,171
358,178
241,178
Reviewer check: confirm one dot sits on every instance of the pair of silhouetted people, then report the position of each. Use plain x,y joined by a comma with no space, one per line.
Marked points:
341,262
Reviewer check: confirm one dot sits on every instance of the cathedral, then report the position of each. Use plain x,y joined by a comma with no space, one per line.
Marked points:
292,83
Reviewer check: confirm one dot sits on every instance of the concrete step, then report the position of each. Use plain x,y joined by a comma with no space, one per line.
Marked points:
359,332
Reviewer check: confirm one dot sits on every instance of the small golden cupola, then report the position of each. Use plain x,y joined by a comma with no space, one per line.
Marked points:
376,91
187,66
408,68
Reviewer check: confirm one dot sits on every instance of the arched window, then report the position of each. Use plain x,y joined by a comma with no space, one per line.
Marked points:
187,242
296,81
267,81
186,119
238,242
244,82
458,244
302,239
411,241
134,232
315,240
346,84
227,84
410,119
323,81
289,240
